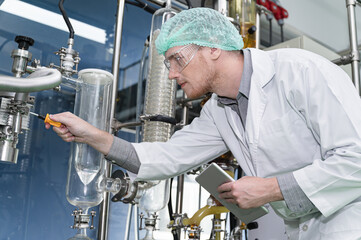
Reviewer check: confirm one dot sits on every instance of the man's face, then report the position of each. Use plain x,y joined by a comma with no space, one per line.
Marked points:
195,78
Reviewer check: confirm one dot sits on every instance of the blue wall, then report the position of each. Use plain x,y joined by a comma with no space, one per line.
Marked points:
32,192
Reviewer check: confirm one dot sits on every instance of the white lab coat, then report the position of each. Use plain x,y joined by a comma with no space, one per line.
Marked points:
304,116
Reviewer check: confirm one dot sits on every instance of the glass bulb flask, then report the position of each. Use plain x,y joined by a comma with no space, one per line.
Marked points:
86,165
81,235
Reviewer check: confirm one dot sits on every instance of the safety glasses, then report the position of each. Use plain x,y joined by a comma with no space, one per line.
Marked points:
180,59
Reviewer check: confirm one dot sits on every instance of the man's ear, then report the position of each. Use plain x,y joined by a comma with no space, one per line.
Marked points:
215,53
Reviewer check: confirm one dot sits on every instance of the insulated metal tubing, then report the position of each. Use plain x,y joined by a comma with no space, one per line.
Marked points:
351,4
42,79
104,207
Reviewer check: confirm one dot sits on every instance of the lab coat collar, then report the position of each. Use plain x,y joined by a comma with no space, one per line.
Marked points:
263,73
263,67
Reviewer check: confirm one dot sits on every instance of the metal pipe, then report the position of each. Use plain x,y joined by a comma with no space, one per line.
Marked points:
177,6
128,223
116,56
259,10
104,207
221,6
140,88
168,3
351,4
118,125
136,223
180,179
183,100
258,29
17,123
179,198
42,79
199,196
21,97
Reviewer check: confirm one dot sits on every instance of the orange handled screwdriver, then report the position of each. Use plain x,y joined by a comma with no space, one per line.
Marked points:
47,119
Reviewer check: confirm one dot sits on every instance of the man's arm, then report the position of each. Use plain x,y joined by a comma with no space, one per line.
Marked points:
250,192
195,144
123,154
330,107
76,129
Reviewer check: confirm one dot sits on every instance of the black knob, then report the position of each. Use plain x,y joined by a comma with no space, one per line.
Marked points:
24,42
252,29
252,225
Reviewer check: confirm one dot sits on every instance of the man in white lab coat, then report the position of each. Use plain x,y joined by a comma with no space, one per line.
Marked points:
291,118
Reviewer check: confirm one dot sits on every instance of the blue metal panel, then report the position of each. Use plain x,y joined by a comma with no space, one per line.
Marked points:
32,192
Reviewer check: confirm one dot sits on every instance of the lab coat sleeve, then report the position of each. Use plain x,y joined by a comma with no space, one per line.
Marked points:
188,148
123,154
331,107
295,198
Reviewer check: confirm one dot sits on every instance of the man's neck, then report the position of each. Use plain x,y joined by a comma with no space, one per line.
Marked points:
229,73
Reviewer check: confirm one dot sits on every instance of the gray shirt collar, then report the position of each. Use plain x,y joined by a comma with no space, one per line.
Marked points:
245,84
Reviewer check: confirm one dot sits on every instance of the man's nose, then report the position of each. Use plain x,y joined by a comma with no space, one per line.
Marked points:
173,74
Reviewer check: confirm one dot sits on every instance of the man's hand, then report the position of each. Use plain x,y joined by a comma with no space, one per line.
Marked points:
76,129
72,129
250,192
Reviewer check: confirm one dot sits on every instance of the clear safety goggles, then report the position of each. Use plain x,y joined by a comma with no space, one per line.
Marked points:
180,59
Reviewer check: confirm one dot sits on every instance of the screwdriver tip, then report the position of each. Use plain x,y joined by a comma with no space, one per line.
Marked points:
39,116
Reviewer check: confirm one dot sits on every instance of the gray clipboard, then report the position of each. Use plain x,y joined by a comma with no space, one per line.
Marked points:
211,178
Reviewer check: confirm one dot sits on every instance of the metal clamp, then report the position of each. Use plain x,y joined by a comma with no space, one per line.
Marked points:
159,118
194,232
128,189
178,221
217,225
148,221
81,220
18,107
67,55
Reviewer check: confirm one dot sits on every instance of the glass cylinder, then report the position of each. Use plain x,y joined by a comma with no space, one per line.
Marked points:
86,165
243,14
159,100
160,91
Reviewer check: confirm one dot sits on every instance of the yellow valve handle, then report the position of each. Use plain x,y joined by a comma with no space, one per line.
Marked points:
51,122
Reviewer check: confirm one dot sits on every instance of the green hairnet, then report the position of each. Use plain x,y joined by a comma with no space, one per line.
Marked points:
201,26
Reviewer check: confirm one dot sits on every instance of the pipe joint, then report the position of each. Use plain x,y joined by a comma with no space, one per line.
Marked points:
355,56
351,2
